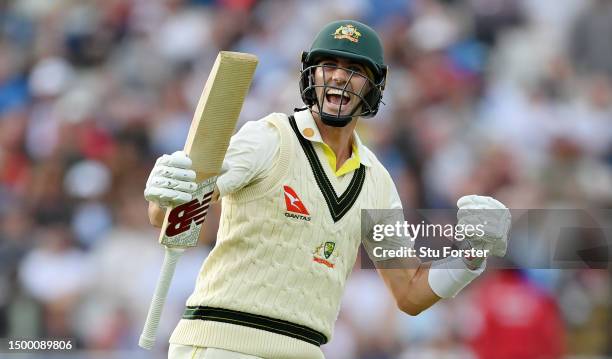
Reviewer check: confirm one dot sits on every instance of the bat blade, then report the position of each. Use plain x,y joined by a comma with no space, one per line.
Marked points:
211,128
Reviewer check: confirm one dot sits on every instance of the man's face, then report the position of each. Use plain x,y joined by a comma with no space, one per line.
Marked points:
340,74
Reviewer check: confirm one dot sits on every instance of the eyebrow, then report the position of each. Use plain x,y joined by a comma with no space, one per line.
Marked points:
350,64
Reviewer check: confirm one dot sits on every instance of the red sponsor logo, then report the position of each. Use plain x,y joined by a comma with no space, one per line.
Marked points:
323,261
181,217
293,202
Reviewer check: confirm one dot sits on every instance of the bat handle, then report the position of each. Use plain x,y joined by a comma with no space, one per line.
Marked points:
147,338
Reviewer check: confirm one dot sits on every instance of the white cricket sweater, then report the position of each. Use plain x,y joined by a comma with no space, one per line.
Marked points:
286,244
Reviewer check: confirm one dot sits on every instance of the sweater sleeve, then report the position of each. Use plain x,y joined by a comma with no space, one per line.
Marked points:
250,155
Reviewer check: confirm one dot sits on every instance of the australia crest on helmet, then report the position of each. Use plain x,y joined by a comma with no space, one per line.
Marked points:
348,32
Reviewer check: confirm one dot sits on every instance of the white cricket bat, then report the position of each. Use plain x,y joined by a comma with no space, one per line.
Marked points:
211,128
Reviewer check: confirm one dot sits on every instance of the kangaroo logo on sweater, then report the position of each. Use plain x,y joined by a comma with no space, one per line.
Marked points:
325,254
295,206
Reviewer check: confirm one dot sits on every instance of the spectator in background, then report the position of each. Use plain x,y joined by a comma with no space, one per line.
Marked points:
15,243
513,319
55,274
590,51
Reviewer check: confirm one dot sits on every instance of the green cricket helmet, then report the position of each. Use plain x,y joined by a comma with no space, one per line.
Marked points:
354,41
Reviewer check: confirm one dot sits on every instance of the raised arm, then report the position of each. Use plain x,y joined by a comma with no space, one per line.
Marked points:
251,152
417,286
408,282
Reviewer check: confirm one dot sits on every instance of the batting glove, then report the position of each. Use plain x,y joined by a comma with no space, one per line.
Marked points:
493,219
172,181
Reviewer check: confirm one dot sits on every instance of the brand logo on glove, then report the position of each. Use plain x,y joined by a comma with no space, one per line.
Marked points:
181,217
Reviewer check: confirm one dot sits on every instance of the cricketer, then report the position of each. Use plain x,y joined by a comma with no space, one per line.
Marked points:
292,191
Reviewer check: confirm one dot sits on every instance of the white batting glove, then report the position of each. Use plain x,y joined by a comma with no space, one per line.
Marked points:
172,181
494,220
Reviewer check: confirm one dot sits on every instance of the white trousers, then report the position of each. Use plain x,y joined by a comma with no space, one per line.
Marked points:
178,351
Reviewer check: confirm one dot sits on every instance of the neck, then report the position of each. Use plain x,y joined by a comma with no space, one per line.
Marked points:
339,139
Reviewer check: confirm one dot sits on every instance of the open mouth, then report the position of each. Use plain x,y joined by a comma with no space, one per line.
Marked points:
337,97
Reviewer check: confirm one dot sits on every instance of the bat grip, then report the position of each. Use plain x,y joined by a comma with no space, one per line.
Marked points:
171,257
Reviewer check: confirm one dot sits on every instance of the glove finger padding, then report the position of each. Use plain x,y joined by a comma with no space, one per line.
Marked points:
490,232
479,202
166,197
490,218
173,172
178,159
495,245
169,183
483,225
496,248
172,181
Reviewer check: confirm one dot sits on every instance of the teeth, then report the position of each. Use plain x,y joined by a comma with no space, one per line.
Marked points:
337,92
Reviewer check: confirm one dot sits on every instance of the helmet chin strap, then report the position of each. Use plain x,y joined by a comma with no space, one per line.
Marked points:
335,121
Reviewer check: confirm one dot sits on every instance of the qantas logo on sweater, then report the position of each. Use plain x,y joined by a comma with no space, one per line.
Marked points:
295,206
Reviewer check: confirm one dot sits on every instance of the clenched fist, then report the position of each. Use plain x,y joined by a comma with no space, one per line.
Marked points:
172,181
492,217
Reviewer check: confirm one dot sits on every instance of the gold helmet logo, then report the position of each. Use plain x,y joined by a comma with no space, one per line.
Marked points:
348,32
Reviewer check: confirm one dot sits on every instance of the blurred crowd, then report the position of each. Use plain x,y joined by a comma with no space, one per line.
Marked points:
510,98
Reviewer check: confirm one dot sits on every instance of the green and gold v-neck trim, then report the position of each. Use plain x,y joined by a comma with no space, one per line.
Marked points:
338,206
